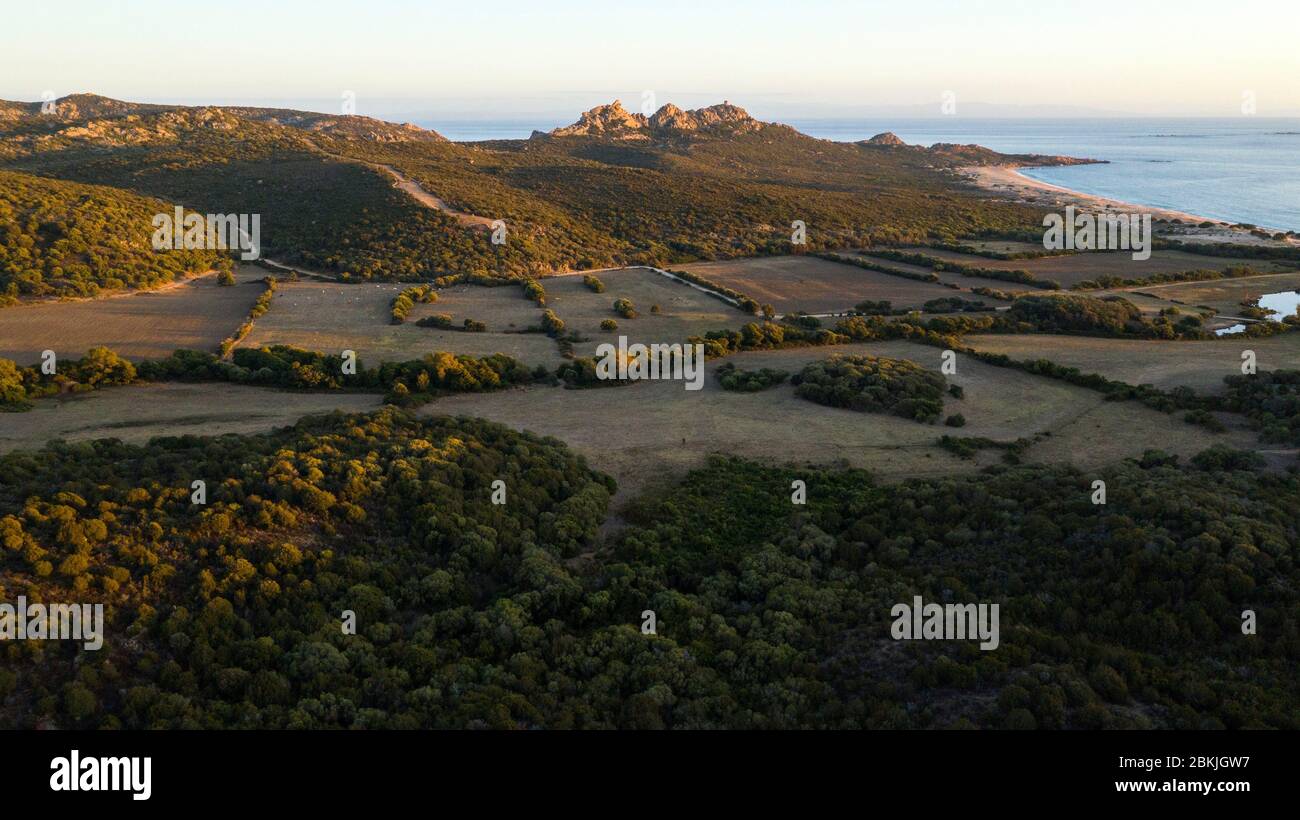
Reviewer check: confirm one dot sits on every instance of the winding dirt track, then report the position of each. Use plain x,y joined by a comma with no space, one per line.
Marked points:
415,191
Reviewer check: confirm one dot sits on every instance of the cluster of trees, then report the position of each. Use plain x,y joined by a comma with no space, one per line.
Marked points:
1233,250
1067,313
749,381
1107,316
955,304
625,308
533,290
100,367
1271,400
443,321
966,447
410,297
291,367
874,384
61,239
469,614
552,324
1197,275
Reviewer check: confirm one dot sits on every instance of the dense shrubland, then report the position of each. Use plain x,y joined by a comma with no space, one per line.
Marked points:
60,239
873,384
768,614
749,381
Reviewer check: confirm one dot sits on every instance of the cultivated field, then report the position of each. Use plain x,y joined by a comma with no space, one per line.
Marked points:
806,283
1199,365
332,317
683,310
1072,269
137,413
195,314
652,432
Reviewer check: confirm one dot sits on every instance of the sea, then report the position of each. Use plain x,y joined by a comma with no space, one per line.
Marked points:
1244,169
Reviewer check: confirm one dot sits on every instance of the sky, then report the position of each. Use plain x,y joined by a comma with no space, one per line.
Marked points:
504,59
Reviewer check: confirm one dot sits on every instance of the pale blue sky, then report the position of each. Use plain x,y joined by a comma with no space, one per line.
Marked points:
792,58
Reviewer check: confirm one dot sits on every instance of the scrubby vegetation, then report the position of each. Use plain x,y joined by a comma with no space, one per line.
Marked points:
291,367
1197,275
625,308
443,321
259,309
409,298
468,614
1271,400
874,384
749,381
61,239
100,367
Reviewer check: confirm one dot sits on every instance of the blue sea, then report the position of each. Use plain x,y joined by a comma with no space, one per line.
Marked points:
1243,169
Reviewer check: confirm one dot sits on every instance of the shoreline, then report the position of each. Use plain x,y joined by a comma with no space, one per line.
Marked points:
1008,181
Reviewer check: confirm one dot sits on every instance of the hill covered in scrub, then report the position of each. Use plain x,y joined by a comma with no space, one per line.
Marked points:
64,239
615,188
768,615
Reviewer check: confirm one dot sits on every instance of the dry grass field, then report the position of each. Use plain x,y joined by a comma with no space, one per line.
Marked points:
805,283
683,310
652,432
1199,365
332,317
1224,295
138,413
195,314
1072,269
950,277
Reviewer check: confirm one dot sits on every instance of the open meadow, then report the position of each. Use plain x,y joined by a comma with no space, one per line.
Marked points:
195,314
653,432
1070,269
137,413
1200,365
812,285
683,310
332,317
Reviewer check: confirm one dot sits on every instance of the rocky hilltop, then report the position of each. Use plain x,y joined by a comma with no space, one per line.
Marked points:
91,116
887,138
613,121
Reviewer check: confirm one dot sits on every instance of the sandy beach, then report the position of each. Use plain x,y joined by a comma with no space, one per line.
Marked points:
1009,182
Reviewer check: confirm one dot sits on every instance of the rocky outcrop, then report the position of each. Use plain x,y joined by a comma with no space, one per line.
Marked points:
615,122
611,120
887,138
